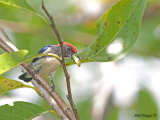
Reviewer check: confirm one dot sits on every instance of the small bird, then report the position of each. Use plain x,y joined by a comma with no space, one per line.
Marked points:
48,65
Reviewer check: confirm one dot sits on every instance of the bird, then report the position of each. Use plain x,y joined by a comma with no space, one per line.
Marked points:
48,65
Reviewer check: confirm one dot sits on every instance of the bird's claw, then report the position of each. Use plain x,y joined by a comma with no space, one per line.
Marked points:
53,88
37,71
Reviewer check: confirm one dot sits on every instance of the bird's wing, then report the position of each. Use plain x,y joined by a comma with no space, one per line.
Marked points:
45,49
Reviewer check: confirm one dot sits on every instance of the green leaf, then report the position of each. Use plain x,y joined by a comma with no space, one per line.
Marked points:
22,4
11,60
8,84
118,29
20,111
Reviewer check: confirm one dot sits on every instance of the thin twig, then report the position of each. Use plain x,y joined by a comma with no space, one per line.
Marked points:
41,81
53,26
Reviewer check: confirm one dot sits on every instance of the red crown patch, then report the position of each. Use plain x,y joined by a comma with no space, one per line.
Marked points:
73,48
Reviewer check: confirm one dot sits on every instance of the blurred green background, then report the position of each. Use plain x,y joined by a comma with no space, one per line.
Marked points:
120,90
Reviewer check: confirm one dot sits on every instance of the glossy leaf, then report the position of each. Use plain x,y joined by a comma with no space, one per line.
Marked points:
8,84
11,60
118,30
22,4
20,111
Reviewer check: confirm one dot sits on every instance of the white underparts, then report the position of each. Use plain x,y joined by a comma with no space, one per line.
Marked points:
46,65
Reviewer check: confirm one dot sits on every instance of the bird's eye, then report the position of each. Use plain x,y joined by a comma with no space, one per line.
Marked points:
68,49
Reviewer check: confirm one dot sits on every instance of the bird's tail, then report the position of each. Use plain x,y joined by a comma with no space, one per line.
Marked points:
25,77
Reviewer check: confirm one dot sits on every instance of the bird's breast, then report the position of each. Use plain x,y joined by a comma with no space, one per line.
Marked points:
47,65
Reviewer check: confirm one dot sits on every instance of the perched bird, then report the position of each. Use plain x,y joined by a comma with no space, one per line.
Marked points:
48,65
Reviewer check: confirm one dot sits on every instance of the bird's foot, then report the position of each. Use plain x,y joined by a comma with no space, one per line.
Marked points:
53,85
37,71
53,88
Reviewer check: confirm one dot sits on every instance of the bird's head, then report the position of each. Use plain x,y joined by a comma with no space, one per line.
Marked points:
70,51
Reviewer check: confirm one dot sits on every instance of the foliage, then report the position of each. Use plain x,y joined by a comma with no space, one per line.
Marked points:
8,85
119,25
20,111
23,4
11,60
112,28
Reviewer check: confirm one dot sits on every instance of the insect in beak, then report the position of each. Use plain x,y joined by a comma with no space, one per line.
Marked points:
76,58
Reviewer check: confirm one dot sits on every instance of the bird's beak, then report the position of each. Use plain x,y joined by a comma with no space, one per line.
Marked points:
76,58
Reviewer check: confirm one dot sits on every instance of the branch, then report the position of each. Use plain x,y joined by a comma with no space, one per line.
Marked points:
42,82
69,96
49,99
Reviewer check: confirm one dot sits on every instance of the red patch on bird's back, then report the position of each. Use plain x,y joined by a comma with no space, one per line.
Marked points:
73,48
